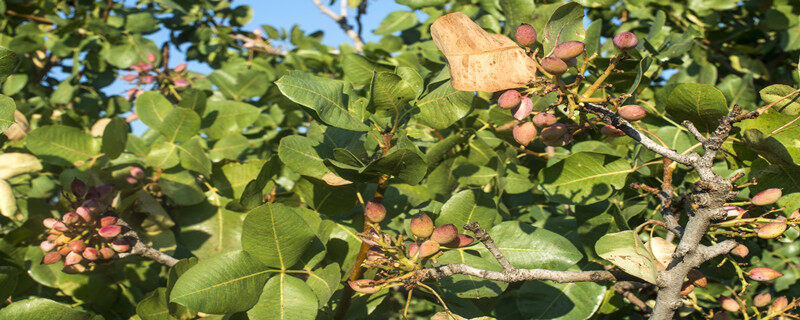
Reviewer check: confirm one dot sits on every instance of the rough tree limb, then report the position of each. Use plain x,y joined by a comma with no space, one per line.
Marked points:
139,248
341,19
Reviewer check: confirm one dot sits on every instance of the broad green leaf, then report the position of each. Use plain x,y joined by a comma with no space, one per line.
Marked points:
438,151
179,125
626,251
9,277
163,155
517,12
226,283
141,22
152,108
62,145
404,164
789,106
739,91
470,287
41,308
301,154
358,69
531,247
593,32
208,228
154,306
442,106
584,178
244,84
324,282
115,135
396,21
194,99
252,195
174,273
327,97
468,206
769,122
224,118
181,188
596,3
768,147
566,24
15,83
417,4
63,93
390,94
285,298
8,62
235,176
134,48
7,107
701,104
276,235
327,199
230,147
193,156
561,301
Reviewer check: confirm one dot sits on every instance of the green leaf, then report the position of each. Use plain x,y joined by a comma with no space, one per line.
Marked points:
442,106
193,156
559,301
154,306
285,297
584,178
530,247
9,277
300,154
739,91
226,283
181,187
396,21
15,83
62,145
789,106
41,308
115,135
152,108
417,4
517,12
468,206
141,22
194,99
230,147
134,48
358,69
404,164
626,251
208,228
235,176
163,155
324,282
702,104
566,24
276,235
174,273
7,107
243,84
63,93
252,195
768,123
327,199
225,117
390,94
179,125
327,97
8,62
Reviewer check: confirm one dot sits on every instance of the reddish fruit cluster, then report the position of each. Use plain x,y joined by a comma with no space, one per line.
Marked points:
136,174
145,73
393,255
564,56
88,235
552,134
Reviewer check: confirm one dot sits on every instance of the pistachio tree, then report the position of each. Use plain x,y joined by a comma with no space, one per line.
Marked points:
508,159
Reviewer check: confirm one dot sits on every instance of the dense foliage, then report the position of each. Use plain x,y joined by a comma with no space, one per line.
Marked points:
257,176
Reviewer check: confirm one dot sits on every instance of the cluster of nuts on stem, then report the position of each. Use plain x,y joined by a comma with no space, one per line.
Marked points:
145,73
564,56
394,257
86,236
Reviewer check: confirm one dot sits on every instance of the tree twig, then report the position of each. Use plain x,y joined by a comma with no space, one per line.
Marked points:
139,248
341,19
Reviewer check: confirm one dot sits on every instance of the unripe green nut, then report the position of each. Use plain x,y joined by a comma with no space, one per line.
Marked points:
554,66
421,226
611,131
764,274
509,99
762,299
767,197
544,120
625,41
428,248
525,34
524,133
445,234
632,112
771,230
375,212
568,50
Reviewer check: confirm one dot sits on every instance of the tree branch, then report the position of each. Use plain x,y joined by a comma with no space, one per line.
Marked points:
139,248
358,44
625,289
